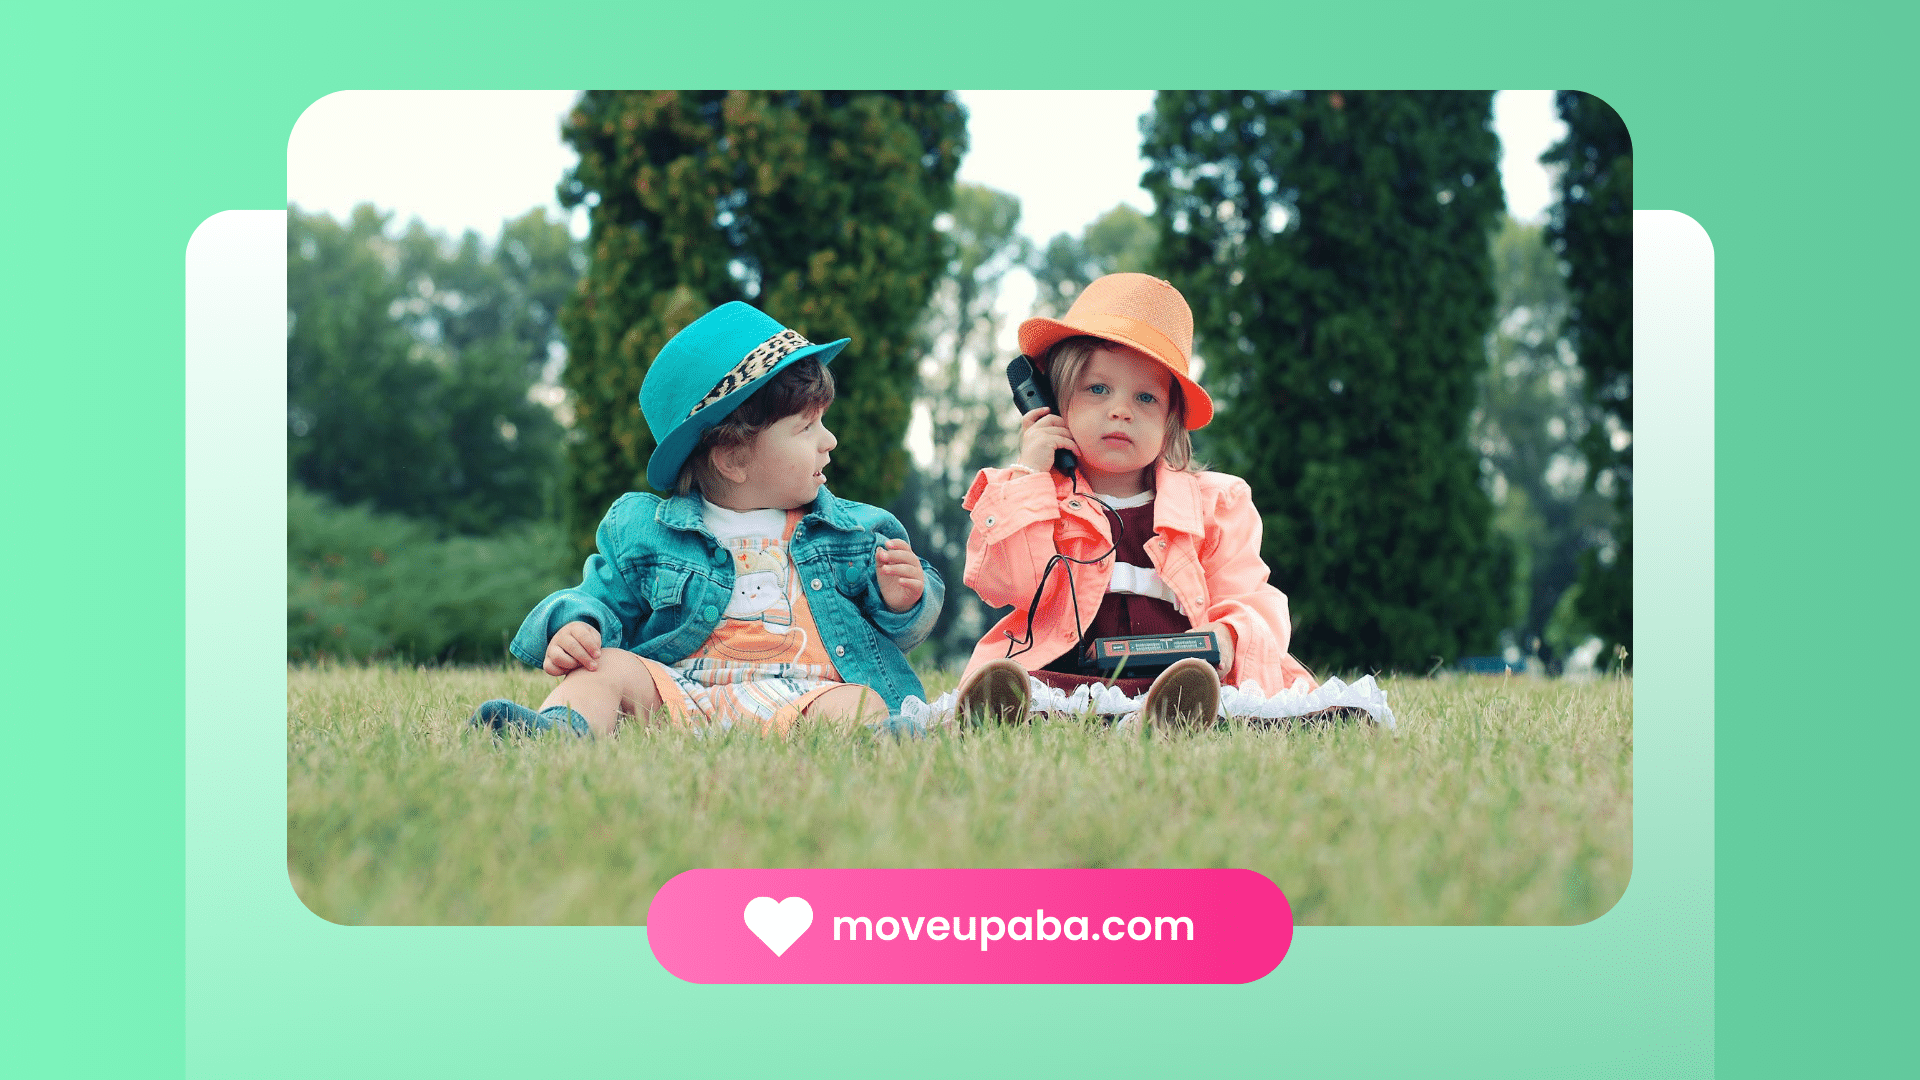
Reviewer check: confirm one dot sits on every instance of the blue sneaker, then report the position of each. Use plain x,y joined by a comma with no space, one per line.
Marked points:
900,726
501,715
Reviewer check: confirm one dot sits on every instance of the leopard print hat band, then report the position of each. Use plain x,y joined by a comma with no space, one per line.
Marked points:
757,363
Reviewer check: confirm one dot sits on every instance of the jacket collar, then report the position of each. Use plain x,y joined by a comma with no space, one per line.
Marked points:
1176,502
683,512
833,511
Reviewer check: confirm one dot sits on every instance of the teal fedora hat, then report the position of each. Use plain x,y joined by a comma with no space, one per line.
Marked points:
706,371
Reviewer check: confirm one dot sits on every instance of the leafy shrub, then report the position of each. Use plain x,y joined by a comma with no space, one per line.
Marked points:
366,585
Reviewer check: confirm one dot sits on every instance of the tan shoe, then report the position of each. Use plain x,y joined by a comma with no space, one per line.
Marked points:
1185,697
996,691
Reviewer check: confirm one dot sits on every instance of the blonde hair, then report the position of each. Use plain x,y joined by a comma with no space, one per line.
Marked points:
1064,362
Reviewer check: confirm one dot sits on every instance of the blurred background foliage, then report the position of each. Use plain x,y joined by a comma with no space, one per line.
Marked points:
364,584
409,361
1431,399
964,408
1592,233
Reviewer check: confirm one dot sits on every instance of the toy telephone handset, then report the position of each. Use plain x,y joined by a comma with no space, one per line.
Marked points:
1032,390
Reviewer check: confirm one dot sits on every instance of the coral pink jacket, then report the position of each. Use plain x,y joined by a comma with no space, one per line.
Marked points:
1206,547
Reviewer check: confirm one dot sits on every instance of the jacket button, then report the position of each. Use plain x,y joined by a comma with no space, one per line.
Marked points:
839,650
816,584
989,521
719,557
710,612
1073,504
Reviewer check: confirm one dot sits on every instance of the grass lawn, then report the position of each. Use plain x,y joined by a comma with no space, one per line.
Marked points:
1499,800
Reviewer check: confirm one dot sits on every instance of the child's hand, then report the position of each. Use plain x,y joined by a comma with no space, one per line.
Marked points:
1041,433
1224,636
575,645
901,578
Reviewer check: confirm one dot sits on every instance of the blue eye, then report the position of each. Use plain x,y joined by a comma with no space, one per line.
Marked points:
1097,388
1146,398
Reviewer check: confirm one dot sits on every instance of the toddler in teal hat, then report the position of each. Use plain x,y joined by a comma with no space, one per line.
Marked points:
750,594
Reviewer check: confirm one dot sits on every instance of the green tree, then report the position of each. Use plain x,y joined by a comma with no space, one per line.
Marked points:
1528,429
817,207
1592,230
1118,241
964,399
1333,246
506,295
409,363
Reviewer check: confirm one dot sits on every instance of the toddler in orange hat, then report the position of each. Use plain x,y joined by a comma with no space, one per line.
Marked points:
1137,535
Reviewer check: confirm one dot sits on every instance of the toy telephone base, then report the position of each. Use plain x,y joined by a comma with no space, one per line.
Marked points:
1148,654
1032,391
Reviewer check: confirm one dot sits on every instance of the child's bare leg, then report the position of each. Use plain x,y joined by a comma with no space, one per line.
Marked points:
621,687
846,707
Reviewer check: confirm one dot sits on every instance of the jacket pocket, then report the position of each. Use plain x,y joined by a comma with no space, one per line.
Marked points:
849,568
854,572
667,587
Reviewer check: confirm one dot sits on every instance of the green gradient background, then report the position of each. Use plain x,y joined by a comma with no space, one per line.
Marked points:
125,130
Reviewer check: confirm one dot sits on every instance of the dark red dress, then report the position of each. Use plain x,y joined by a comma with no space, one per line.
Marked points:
1120,614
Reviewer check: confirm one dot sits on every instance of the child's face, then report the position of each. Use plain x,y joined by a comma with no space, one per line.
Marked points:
786,463
1117,415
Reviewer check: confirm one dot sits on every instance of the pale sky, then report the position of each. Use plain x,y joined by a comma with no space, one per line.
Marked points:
463,160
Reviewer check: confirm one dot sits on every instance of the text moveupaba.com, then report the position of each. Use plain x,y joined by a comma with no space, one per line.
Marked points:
1036,927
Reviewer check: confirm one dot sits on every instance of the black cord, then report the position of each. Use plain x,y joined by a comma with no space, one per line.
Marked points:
1073,594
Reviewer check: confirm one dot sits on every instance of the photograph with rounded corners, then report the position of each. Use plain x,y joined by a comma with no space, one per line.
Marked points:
1211,479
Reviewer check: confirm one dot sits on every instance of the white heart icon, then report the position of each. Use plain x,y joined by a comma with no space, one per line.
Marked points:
778,924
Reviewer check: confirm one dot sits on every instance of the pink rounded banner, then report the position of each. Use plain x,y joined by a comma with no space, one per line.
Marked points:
970,926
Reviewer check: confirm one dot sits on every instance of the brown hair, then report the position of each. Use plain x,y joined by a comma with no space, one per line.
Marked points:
804,386
1064,362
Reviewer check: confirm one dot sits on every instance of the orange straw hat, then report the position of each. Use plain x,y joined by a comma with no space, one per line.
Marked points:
1139,311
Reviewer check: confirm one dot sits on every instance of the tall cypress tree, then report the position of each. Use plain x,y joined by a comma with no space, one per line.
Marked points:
1334,247
1592,230
817,207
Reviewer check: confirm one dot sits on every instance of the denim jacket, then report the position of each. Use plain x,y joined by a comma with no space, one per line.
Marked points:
660,581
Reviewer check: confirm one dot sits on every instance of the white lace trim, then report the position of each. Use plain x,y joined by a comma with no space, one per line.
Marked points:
1244,702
